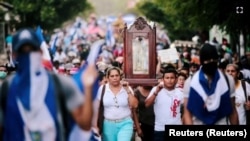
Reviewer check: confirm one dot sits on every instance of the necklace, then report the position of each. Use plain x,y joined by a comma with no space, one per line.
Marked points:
116,102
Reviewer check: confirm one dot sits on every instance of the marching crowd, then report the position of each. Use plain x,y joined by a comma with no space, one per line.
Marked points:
75,89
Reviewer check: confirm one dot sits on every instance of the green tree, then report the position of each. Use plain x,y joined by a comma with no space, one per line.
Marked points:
47,13
176,26
198,15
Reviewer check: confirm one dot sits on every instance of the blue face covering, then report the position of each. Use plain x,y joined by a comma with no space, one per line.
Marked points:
29,66
3,75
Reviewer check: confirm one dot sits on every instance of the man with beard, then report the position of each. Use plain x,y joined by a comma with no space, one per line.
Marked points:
209,94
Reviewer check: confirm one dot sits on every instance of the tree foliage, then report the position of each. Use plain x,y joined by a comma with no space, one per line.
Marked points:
194,15
47,13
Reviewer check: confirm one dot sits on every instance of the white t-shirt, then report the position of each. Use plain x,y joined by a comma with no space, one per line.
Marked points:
186,90
115,107
240,100
60,57
167,108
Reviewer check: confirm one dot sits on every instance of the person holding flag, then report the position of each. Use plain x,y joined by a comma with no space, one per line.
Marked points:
77,133
36,104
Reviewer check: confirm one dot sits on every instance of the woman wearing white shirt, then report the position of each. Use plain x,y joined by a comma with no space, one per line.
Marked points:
117,100
240,99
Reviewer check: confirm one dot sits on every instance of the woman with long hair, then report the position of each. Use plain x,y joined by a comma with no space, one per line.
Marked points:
118,99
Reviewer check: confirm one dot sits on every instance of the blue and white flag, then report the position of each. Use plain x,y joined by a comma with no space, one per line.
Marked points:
72,36
77,132
53,46
209,104
95,50
110,39
43,44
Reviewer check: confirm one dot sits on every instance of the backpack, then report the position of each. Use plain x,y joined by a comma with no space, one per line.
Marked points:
61,106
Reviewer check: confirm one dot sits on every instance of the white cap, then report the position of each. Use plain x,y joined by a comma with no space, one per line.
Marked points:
76,61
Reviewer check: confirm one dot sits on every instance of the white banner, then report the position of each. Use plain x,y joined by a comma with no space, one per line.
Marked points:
168,55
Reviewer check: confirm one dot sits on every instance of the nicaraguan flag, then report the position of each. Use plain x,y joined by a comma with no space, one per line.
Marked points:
53,46
209,104
73,35
77,132
95,50
47,63
110,39
43,44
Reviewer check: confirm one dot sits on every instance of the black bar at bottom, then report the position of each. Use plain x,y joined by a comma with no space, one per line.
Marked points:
208,132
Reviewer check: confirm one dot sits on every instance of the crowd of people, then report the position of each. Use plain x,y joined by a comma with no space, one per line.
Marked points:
61,94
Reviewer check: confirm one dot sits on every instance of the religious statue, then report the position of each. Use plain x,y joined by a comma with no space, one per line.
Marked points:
140,56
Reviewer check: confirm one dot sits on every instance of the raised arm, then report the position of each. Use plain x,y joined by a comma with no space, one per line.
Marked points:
152,96
158,66
83,114
133,102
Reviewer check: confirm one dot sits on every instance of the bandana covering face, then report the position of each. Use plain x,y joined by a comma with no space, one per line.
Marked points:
210,68
29,68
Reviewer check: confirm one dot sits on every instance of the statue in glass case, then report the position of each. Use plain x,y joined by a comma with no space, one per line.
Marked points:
140,55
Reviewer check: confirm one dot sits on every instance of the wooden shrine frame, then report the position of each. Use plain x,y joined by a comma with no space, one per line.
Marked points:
140,53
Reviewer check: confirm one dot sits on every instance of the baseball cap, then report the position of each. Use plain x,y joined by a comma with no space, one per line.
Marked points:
25,36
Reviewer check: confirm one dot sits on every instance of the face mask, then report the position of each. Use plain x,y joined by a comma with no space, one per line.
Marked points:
3,75
210,68
26,60
30,68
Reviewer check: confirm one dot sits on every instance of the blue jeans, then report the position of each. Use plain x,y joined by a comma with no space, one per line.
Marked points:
117,131
159,136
